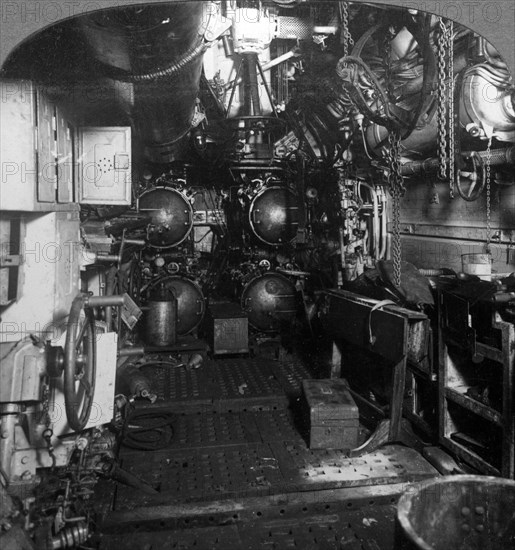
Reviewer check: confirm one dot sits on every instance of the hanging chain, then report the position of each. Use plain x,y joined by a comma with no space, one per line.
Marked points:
397,190
395,180
442,99
45,419
488,195
387,60
452,142
346,37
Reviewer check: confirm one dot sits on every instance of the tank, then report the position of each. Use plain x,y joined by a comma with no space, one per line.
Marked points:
190,303
274,215
270,301
171,214
161,318
151,56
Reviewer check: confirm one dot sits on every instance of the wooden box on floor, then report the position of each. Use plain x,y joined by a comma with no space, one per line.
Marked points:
332,416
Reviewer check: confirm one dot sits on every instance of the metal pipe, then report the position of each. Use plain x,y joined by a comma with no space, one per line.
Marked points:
129,352
104,301
280,59
499,157
384,231
375,223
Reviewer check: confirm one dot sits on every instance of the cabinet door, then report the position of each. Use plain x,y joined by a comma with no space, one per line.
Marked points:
47,177
64,159
104,167
18,145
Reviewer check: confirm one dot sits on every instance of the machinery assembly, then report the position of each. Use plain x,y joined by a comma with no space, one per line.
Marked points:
257,277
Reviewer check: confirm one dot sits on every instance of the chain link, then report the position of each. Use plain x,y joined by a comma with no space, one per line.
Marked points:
442,98
397,190
346,37
452,141
45,419
488,195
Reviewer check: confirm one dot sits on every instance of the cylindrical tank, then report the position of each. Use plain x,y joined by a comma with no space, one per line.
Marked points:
270,301
161,318
190,302
274,215
171,214
152,56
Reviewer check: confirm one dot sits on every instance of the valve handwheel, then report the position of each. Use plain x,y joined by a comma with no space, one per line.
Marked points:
470,185
79,364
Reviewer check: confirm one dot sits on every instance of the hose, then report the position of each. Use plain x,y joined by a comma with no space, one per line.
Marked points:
498,157
174,68
147,431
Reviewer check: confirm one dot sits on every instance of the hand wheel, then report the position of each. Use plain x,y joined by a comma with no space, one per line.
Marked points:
79,364
470,187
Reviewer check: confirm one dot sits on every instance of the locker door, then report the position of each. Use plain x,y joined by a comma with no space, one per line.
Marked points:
47,177
64,159
104,166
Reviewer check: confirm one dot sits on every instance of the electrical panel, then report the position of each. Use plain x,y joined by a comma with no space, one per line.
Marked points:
104,165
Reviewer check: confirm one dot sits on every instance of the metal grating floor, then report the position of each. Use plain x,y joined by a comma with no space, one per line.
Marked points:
236,440
228,379
370,528
229,455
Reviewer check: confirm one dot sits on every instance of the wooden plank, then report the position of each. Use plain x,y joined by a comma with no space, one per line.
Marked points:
470,457
399,377
489,352
508,380
474,406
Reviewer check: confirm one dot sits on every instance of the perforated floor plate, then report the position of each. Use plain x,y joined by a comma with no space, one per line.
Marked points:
277,425
225,384
370,528
208,538
290,375
206,473
244,378
178,383
235,438
208,430
213,473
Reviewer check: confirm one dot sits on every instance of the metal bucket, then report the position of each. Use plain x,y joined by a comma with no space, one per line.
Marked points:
477,264
462,512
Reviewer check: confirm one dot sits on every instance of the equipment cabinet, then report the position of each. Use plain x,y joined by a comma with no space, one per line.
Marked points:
35,150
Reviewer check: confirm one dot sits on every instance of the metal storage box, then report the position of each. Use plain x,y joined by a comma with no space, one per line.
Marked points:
332,414
228,329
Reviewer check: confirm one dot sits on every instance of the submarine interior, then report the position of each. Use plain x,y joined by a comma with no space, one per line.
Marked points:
257,279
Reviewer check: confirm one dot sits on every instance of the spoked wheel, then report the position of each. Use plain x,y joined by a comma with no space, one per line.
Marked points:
470,185
79,364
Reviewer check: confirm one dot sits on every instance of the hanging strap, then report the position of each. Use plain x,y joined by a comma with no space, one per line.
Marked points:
379,305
